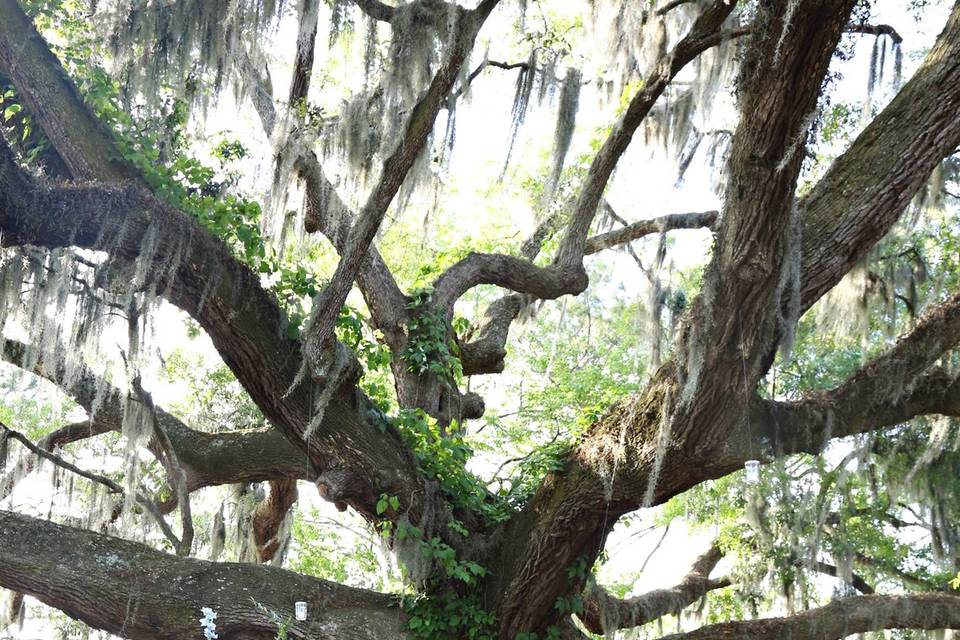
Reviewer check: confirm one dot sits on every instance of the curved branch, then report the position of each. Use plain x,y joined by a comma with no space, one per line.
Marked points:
566,275
225,297
604,613
856,581
208,459
131,590
891,389
842,618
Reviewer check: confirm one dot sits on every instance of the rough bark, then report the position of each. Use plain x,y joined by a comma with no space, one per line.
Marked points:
866,189
891,389
619,466
842,618
135,592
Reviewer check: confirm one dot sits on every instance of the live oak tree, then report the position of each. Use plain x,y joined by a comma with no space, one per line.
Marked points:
101,216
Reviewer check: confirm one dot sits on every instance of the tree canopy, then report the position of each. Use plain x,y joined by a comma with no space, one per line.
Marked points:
508,284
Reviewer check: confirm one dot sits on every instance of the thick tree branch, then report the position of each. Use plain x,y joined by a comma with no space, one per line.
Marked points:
306,43
891,389
376,9
326,212
604,613
867,188
226,298
655,445
82,141
842,618
894,571
130,590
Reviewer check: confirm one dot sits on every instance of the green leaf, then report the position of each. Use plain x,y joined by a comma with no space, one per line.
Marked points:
11,111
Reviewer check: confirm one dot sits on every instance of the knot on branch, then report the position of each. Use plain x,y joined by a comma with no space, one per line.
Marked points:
472,406
345,487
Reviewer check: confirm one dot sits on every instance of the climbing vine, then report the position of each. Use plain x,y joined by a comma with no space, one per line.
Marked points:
429,349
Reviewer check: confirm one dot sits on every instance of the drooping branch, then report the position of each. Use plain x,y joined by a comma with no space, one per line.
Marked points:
149,505
171,462
486,352
604,613
128,589
204,459
208,459
226,298
51,442
842,618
